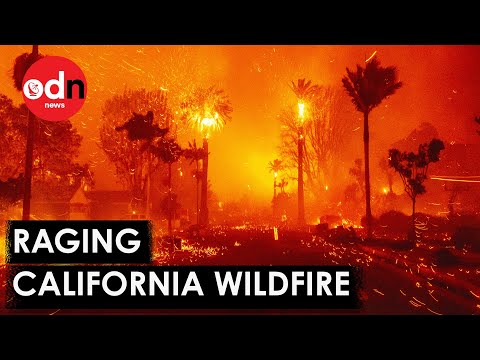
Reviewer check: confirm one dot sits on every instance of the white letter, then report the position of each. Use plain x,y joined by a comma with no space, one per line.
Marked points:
85,241
80,283
339,282
122,287
296,281
256,281
49,284
20,240
323,279
16,279
175,283
73,243
91,281
138,279
33,89
154,280
228,282
42,234
309,283
135,244
60,83
97,237
271,283
192,277
66,285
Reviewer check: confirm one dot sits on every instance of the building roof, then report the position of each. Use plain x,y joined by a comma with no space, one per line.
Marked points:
109,196
79,197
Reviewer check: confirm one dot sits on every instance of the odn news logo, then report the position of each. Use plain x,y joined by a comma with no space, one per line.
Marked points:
54,88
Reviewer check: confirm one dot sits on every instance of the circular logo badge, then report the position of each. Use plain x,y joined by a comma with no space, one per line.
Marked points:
54,88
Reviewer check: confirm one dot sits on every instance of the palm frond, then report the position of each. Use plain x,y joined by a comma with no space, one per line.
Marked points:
369,86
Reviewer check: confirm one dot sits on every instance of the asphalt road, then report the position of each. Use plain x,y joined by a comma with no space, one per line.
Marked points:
387,288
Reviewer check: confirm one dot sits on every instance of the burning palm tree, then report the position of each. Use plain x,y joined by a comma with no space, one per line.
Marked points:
208,110
304,91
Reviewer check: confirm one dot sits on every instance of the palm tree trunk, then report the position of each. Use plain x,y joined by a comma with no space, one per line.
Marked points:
169,203
413,218
274,197
198,208
27,193
301,198
368,210
149,185
204,204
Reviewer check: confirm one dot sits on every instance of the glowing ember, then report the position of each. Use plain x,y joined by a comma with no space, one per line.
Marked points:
275,233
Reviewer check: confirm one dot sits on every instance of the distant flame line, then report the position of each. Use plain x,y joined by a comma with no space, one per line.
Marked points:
455,180
458,177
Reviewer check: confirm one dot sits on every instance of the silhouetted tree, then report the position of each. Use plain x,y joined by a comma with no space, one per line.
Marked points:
195,154
132,162
477,120
141,127
168,151
413,170
304,91
206,109
282,185
368,87
325,133
56,174
20,66
13,127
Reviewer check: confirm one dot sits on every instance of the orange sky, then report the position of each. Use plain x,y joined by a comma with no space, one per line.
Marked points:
440,86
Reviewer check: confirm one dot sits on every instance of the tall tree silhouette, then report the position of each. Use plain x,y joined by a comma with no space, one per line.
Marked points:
413,169
195,154
169,152
208,110
368,87
477,120
21,65
325,135
126,132
304,91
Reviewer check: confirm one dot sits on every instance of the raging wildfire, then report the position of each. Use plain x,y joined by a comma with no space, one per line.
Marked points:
270,156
